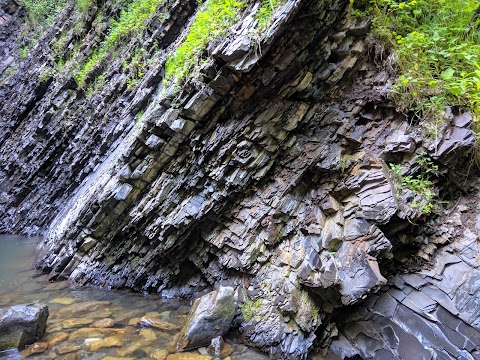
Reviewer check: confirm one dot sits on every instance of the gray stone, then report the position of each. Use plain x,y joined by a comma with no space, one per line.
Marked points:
211,316
21,325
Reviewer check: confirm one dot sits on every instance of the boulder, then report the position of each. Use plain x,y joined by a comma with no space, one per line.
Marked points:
21,325
210,316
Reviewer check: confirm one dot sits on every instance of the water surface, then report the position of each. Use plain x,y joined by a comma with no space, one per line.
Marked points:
90,323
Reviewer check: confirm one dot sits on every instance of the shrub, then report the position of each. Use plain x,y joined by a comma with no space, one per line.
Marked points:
421,184
438,51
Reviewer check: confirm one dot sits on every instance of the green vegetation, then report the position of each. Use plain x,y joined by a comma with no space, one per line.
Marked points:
84,5
438,48
136,67
46,74
24,51
131,20
265,13
97,86
421,184
42,12
210,23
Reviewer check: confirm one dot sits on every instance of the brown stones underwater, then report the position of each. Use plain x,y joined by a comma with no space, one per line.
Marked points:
87,323
280,169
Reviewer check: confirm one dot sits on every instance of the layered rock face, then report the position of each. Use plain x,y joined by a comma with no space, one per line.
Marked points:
266,171
432,313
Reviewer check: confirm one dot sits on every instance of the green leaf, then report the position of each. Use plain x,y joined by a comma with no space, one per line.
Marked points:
447,74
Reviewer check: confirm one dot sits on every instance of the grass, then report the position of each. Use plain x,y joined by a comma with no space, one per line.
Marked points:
265,13
421,184
210,23
438,50
131,20
39,14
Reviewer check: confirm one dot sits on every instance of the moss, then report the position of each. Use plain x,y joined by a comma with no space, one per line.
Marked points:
250,308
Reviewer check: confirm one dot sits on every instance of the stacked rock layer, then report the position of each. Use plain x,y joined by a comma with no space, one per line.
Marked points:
267,170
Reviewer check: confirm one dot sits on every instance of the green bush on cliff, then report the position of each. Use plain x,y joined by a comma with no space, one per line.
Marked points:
42,12
438,48
130,21
210,23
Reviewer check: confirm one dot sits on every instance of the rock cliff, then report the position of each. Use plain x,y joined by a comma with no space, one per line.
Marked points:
267,169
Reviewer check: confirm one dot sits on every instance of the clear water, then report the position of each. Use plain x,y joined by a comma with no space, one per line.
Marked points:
74,311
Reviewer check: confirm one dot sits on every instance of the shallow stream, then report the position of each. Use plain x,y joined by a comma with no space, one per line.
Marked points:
90,323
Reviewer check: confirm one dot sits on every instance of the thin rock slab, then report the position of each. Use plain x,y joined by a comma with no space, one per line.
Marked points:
210,316
21,325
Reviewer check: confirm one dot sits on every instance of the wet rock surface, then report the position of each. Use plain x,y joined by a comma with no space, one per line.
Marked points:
21,325
211,317
268,169
124,339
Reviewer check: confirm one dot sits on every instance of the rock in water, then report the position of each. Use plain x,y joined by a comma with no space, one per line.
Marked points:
21,325
219,348
211,316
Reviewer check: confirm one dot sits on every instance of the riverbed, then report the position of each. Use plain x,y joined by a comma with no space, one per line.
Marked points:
129,325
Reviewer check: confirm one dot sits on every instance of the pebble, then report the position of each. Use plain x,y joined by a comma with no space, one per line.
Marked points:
112,341
104,323
57,338
35,348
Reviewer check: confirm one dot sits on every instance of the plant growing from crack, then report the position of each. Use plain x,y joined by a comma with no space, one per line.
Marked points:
131,20
265,13
421,184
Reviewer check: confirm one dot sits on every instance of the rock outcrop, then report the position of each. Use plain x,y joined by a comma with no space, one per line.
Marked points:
21,325
269,168
428,314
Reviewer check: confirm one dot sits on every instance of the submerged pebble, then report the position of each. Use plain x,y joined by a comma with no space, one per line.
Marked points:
95,324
